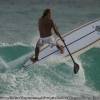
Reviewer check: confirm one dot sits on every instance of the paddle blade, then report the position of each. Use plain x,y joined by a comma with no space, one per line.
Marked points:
76,68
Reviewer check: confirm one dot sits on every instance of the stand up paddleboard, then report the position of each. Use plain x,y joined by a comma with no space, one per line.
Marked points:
76,40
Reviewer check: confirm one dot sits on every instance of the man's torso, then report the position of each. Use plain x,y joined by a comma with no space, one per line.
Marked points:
45,26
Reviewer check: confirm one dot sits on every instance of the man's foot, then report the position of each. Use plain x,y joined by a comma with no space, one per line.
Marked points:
33,59
61,48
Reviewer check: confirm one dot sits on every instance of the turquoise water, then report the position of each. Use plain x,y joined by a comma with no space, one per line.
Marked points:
18,36
91,63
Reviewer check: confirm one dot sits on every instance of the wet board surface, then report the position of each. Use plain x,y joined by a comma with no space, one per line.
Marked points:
76,40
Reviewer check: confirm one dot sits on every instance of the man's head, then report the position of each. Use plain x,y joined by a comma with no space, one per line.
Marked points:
46,13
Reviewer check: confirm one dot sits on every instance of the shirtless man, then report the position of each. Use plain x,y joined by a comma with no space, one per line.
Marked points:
45,26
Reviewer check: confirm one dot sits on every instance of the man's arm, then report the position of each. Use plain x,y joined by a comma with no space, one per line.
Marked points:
56,31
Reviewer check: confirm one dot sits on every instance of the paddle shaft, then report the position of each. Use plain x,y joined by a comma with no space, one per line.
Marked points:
67,48
69,52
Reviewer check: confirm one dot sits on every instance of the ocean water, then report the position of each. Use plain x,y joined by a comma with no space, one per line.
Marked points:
18,36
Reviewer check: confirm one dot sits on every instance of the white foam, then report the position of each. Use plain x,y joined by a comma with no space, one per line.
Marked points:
42,86
14,44
3,63
79,78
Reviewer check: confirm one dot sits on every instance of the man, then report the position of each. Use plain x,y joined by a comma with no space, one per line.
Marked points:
45,26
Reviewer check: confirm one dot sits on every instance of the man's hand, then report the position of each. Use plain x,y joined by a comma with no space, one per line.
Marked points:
62,39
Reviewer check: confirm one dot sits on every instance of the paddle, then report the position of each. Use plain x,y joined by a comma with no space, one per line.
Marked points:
76,66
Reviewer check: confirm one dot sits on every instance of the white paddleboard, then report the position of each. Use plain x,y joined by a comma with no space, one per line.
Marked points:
83,37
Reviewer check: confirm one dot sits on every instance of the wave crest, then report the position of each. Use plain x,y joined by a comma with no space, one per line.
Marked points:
14,44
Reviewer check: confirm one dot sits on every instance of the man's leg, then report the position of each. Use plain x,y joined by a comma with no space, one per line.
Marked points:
58,45
36,54
37,50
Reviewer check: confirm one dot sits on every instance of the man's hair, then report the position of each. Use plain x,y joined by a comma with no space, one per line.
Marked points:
45,13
